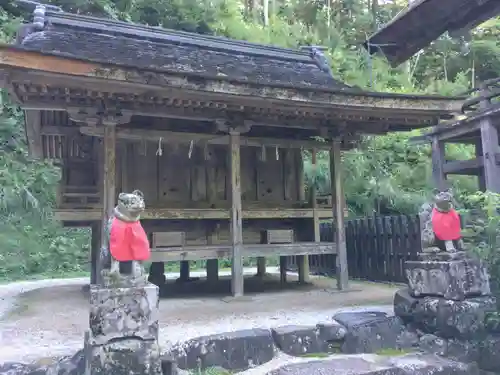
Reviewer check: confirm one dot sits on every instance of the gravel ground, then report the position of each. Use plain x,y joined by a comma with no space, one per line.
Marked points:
48,318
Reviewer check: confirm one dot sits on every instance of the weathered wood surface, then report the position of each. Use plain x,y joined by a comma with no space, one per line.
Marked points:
91,214
338,214
438,159
233,92
424,21
236,215
248,250
377,248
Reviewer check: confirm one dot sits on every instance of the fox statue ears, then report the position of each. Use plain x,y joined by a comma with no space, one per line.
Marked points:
139,193
447,190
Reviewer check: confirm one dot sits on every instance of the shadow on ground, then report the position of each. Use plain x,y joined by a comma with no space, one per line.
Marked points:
268,284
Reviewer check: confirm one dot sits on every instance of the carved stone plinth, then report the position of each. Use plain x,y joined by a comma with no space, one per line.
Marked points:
454,279
123,312
123,335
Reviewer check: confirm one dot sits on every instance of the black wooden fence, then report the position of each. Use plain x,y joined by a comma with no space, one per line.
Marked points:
377,248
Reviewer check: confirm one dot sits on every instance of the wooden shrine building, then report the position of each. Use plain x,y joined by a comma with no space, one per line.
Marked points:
210,129
419,25
479,127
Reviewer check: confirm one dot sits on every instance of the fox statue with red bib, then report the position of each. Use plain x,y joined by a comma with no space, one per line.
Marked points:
440,225
126,241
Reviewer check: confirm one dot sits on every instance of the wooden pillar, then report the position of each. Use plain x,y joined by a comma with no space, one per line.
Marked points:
184,272
212,264
490,147
157,273
438,160
261,266
338,215
236,216
481,181
95,249
109,181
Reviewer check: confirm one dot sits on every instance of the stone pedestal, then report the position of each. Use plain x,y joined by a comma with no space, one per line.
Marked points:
123,336
454,279
448,298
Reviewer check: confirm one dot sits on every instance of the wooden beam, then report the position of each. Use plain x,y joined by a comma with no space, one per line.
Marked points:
12,57
490,148
236,216
184,137
33,133
90,214
181,253
338,214
464,167
438,159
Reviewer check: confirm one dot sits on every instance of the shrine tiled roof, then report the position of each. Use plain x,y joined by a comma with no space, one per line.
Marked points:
156,49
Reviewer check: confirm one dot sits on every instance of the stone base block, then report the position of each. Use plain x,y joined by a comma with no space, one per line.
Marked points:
299,340
238,350
368,332
125,357
453,279
123,312
454,319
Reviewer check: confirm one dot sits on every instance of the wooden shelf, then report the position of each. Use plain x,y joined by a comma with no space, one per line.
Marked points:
177,253
93,214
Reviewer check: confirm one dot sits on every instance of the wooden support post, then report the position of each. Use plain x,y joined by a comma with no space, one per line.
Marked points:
338,215
95,249
438,160
490,147
261,266
283,269
109,181
157,273
184,272
481,181
236,216
212,264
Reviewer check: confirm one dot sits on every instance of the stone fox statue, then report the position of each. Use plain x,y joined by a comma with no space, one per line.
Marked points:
126,240
440,224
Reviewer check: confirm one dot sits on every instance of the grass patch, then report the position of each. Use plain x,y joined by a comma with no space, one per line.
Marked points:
394,352
316,355
211,371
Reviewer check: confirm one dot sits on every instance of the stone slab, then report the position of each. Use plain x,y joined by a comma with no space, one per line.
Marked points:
454,279
116,313
454,319
368,332
412,364
298,340
237,350
125,357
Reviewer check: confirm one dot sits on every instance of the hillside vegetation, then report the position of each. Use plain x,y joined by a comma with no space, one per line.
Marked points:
387,176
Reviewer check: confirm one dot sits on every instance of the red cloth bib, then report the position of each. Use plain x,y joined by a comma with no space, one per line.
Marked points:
128,241
446,225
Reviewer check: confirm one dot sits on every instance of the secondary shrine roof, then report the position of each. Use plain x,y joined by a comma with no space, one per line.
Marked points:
426,20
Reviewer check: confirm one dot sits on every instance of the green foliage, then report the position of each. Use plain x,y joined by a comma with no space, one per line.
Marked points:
385,174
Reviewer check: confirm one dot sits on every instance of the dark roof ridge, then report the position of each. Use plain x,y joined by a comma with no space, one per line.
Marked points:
158,34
